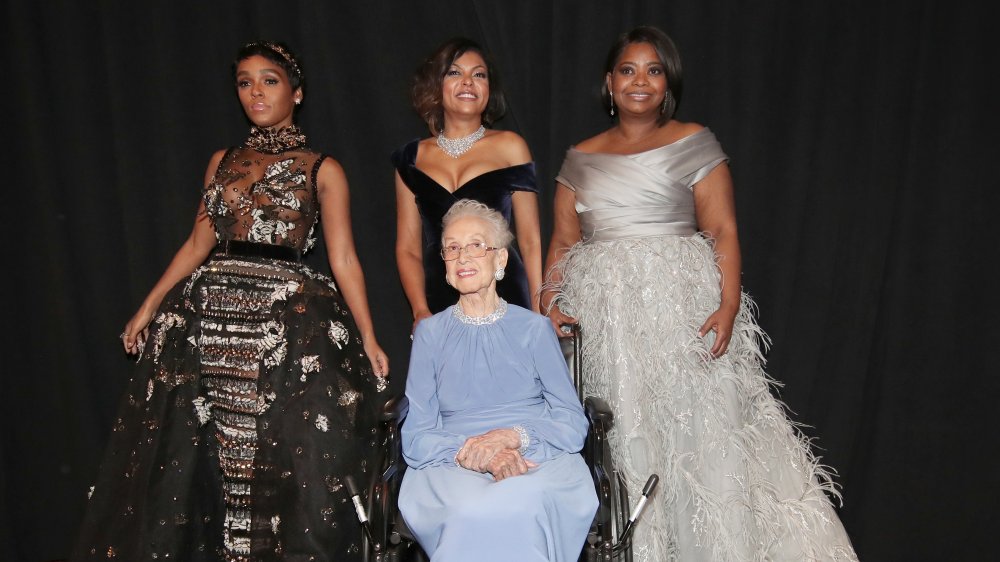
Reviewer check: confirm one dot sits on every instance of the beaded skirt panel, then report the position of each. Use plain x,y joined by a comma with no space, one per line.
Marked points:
251,404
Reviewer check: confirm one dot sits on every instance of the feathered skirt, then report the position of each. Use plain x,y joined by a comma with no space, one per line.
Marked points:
738,480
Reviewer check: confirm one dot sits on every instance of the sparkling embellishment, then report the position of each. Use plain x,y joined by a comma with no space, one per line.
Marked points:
490,318
338,334
458,147
273,141
525,439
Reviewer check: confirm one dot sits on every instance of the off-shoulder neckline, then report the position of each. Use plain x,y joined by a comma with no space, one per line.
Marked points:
661,147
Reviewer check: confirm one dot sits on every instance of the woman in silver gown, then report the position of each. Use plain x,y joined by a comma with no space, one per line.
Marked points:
645,256
253,398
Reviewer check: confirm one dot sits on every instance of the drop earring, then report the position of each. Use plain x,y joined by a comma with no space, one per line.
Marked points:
612,94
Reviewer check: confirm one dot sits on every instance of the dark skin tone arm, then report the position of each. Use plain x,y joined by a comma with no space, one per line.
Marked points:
191,254
335,208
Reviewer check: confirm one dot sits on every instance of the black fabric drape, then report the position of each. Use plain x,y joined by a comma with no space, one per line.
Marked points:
861,136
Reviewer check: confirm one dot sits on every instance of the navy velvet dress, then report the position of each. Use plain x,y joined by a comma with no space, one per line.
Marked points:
493,189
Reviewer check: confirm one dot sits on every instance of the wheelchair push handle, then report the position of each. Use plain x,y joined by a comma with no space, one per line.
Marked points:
647,491
355,492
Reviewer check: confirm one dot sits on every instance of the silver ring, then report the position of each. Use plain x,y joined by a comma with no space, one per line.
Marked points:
122,335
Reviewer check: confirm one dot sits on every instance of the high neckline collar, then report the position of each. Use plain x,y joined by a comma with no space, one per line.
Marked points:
275,140
491,318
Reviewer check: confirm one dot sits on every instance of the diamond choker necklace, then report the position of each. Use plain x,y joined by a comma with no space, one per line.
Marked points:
490,318
458,147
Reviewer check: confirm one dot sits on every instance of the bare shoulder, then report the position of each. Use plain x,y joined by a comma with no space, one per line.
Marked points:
679,129
330,174
213,164
330,165
596,143
216,159
510,145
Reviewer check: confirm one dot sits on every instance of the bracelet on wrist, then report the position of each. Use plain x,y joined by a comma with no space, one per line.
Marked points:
524,438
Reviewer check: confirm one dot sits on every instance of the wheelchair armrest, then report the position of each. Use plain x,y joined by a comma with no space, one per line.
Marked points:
395,408
597,410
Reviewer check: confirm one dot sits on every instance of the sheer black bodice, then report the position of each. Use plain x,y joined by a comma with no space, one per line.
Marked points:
253,398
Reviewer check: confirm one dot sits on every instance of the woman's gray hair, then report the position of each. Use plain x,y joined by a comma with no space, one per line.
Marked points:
501,234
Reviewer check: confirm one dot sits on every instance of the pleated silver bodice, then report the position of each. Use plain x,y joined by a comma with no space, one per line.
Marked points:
638,195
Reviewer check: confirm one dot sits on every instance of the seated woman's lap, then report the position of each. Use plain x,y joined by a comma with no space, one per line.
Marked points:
452,509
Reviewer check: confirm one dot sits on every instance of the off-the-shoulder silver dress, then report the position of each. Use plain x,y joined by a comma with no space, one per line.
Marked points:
738,480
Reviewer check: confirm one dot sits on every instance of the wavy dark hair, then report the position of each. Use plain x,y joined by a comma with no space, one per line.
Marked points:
666,51
279,54
425,90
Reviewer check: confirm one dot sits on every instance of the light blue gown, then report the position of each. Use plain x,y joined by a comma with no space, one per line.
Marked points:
467,379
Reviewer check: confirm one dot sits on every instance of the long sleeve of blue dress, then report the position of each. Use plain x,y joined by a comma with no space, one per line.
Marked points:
564,429
425,441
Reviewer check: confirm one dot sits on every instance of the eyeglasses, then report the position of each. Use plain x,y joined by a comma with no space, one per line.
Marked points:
472,249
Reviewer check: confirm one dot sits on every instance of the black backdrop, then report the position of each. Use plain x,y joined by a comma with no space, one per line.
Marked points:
861,136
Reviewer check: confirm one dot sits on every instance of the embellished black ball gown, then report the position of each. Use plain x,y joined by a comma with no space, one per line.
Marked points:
494,189
253,398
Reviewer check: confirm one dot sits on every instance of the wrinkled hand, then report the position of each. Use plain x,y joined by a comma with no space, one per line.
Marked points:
721,322
378,359
507,463
559,320
479,450
136,331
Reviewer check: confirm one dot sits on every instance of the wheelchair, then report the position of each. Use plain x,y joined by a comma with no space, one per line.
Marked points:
389,539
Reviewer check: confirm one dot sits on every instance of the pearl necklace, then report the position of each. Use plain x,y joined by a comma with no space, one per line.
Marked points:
490,318
458,147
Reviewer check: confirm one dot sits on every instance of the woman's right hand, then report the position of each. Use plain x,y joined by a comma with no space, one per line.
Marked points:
560,320
136,331
507,463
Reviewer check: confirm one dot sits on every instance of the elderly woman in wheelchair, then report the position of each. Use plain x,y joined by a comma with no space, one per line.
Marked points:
495,426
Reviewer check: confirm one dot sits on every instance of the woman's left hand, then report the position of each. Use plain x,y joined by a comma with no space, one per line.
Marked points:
479,450
378,359
721,322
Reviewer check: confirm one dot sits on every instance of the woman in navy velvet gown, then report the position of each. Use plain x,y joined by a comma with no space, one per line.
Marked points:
457,92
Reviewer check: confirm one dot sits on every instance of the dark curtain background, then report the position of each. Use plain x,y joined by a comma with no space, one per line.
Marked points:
861,137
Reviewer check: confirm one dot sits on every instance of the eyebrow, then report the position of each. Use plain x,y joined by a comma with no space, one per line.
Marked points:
637,64
482,66
262,71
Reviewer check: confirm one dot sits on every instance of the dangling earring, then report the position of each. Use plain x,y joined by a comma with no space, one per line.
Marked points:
612,94
498,274
666,99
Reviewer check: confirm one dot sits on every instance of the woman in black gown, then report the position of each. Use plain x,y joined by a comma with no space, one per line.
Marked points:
252,400
457,92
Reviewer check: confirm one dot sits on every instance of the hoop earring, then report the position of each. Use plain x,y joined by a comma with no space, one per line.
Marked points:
498,274
612,94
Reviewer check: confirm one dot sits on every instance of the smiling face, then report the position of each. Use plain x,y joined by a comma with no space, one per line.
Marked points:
265,92
468,274
638,80
465,89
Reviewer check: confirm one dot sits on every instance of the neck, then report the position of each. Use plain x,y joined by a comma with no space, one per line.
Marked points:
637,129
480,303
458,127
